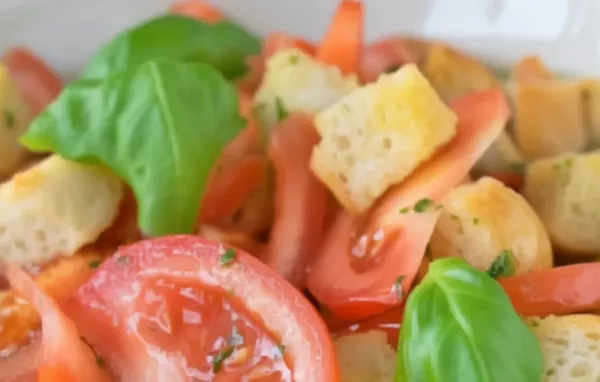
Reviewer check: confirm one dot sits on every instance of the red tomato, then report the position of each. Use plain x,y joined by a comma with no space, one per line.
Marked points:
356,272
562,290
172,309
390,53
300,199
64,357
37,82
388,322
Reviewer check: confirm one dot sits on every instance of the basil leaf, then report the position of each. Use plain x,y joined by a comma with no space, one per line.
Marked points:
224,46
459,326
160,126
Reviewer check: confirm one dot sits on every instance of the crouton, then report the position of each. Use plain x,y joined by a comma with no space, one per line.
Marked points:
565,192
377,135
591,109
365,357
54,208
570,346
15,116
294,81
548,118
484,219
453,74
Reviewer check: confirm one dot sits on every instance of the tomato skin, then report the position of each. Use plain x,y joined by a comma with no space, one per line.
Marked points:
300,199
37,82
101,308
562,290
354,294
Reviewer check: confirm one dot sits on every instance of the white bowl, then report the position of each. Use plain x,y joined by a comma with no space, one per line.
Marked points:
563,32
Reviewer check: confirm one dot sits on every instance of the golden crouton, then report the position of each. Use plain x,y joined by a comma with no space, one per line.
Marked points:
453,74
14,120
548,118
481,220
365,357
570,346
294,81
55,208
377,135
565,192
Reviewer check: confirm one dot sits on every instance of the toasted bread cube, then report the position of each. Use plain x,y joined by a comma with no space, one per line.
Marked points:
591,109
54,209
481,220
453,74
377,135
365,357
548,118
294,81
570,346
15,116
565,192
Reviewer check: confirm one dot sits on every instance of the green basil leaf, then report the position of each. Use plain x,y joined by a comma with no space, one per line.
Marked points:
224,46
459,326
160,126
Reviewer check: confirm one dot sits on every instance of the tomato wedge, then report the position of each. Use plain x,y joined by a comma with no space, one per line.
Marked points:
37,82
561,290
64,356
182,307
300,199
357,271
389,54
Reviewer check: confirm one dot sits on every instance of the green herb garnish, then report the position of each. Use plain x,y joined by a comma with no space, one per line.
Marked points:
94,264
227,258
280,109
9,119
404,210
475,221
503,266
422,205
281,349
217,361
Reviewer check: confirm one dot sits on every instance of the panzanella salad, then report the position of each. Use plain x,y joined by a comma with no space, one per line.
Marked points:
203,204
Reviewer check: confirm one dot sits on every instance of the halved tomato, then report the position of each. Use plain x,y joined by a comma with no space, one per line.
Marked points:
561,290
37,82
300,199
63,355
181,307
368,264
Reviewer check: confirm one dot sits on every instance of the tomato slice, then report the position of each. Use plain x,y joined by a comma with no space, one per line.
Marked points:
562,290
37,82
182,307
389,54
64,356
300,199
356,272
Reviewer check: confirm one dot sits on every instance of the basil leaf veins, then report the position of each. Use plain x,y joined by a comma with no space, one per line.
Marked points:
160,126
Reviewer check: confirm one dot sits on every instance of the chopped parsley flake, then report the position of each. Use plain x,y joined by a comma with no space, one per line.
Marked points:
398,287
422,205
281,349
475,221
503,266
94,264
294,59
100,362
280,109
404,210
236,338
9,119
227,258
217,361
567,163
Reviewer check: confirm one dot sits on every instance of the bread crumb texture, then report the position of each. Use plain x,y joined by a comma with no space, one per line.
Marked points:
376,136
54,208
571,347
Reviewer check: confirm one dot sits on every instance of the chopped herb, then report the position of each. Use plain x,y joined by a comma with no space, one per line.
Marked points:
475,221
503,266
439,207
404,210
94,264
422,205
100,362
218,360
9,119
454,217
294,59
398,287
568,162
518,167
281,349
236,338
227,258
122,260
280,109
